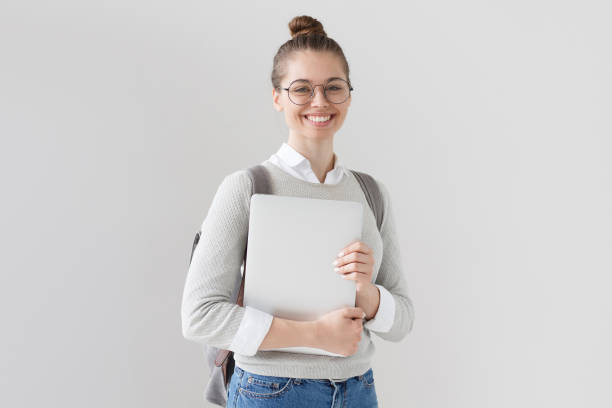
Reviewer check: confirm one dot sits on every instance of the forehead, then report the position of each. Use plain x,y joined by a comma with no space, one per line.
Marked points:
316,66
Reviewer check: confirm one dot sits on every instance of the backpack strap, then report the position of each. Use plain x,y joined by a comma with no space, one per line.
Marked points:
261,185
195,244
373,194
260,179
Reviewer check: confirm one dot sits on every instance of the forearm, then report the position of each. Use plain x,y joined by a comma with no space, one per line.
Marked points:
290,333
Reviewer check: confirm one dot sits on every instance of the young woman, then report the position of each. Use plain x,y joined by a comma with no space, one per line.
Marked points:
311,85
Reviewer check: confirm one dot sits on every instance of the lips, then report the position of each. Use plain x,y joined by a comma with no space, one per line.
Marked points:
331,115
318,123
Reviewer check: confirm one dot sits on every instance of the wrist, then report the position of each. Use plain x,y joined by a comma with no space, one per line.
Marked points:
375,296
311,333
290,333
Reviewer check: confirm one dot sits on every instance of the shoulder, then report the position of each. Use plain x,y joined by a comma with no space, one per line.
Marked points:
384,192
383,189
229,210
239,179
235,189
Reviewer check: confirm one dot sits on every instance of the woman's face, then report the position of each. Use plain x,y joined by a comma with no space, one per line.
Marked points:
317,67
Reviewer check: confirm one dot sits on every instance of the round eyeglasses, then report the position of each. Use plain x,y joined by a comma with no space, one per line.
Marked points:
301,91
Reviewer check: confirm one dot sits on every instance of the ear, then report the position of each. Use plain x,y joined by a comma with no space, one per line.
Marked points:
275,100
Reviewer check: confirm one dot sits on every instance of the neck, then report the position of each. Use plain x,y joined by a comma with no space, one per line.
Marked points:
320,154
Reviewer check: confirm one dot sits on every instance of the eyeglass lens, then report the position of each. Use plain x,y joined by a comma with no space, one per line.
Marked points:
336,91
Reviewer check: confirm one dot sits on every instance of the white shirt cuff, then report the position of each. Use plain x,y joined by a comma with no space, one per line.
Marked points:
385,315
253,328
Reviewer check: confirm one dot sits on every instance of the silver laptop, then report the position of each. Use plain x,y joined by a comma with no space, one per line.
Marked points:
292,242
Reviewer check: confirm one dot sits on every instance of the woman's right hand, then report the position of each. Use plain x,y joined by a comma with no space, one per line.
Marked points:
339,331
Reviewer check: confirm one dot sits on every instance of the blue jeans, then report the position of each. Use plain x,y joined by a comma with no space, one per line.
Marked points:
247,389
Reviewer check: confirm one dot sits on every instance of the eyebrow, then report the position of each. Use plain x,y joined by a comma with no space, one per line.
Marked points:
328,79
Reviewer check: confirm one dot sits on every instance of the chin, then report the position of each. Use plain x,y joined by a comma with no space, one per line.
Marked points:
328,133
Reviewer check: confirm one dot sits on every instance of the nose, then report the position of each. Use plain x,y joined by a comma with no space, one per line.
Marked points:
319,99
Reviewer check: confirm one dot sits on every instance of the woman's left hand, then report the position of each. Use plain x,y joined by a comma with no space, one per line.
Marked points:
356,262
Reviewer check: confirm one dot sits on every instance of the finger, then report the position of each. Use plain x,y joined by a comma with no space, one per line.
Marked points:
346,249
353,257
356,246
354,312
356,276
353,267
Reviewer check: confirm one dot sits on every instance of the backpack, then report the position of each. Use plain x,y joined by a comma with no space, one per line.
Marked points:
221,362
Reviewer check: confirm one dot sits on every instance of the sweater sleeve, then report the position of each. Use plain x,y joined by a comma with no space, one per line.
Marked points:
209,313
391,275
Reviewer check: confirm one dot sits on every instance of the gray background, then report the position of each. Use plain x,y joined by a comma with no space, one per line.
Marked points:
488,121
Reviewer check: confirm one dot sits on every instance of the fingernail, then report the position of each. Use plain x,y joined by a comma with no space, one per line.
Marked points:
336,269
363,317
340,254
335,262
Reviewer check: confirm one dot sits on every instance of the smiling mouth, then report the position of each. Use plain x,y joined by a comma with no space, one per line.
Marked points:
319,119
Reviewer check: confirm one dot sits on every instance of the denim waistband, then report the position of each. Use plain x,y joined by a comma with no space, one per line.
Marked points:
241,372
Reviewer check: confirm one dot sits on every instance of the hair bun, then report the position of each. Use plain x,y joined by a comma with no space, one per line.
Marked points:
304,25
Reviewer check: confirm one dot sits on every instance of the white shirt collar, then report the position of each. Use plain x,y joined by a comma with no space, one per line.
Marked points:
294,163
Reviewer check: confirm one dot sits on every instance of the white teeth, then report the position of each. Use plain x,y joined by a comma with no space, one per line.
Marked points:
319,118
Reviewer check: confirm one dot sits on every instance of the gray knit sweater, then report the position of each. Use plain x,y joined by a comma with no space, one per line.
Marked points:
209,314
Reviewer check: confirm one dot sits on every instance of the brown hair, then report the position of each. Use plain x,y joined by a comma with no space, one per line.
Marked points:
306,34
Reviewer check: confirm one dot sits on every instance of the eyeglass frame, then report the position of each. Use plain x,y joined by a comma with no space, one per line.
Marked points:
313,90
